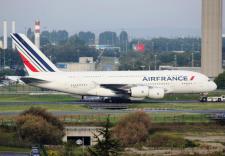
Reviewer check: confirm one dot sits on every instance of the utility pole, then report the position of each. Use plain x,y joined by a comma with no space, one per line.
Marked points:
155,56
192,60
152,46
167,47
175,60
126,46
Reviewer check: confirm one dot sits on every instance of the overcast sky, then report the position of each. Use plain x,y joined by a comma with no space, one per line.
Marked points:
141,18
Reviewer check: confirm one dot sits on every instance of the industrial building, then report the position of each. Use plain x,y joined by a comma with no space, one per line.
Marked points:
211,58
13,31
5,35
37,34
4,42
194,69
84,135
84,64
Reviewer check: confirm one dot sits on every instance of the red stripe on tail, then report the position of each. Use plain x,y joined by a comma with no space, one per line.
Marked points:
28,64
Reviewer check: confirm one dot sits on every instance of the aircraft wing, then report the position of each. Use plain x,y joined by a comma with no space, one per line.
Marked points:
117,88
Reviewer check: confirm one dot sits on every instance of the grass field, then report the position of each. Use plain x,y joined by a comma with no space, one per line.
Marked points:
93,116
49,107
13,97
14,149
36,98
78,107
155,117
181,106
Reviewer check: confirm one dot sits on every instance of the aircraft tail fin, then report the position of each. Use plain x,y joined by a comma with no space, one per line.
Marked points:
33,59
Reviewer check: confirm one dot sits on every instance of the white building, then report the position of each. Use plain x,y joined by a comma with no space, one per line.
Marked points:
84,64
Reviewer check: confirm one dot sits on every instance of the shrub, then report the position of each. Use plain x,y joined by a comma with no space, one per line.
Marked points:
133,128
165,140
39,127
38,111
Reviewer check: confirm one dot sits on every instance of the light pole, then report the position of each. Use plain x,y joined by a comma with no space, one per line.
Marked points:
143,67
175,60
192,59
155,56
152,46
167,47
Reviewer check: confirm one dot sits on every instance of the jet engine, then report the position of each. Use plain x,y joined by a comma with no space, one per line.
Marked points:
145,91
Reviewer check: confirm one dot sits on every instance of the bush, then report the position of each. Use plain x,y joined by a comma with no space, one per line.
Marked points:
220,81
9,138
38,111
165,140
133,128
53,153
39,127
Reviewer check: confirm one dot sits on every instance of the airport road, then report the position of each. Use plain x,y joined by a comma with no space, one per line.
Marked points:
124,111
83,102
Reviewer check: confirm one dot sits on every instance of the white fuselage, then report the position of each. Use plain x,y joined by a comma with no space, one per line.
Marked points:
90,83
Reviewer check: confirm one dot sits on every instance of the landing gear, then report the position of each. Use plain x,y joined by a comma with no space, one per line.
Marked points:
116,100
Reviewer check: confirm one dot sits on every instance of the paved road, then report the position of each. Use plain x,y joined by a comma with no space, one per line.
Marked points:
105,111
79,102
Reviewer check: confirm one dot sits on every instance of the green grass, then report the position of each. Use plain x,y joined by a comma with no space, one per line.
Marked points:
155,118
190,96
49,107
13,149
36,98
178,118
181,106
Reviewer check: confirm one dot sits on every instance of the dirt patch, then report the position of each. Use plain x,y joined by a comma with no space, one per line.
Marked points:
220,139
207,145
203,150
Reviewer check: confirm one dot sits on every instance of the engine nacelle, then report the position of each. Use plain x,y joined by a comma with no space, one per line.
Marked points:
156,93
145,91
140,91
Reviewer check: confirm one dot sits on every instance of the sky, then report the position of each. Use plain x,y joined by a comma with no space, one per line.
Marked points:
141,18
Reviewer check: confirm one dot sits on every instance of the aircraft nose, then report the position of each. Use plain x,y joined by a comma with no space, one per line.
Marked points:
213,86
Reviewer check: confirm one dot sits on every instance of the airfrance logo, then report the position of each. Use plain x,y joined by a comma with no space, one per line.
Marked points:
168,78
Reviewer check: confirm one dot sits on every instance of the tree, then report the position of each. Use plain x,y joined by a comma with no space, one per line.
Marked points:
133,128
220,81
123,40
39,127
54,37
87,37
107,145
108,38
38,111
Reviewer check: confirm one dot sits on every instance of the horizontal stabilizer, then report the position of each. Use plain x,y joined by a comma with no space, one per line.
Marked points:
30,80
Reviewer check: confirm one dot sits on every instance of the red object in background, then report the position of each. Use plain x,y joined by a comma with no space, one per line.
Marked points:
140,47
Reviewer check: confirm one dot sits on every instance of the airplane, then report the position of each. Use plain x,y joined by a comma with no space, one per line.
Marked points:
114,84
14,79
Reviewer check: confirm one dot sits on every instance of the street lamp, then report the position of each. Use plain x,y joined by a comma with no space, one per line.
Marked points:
155,56
175,60
192,59
143,67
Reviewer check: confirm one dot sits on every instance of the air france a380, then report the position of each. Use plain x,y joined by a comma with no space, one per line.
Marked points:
120,84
